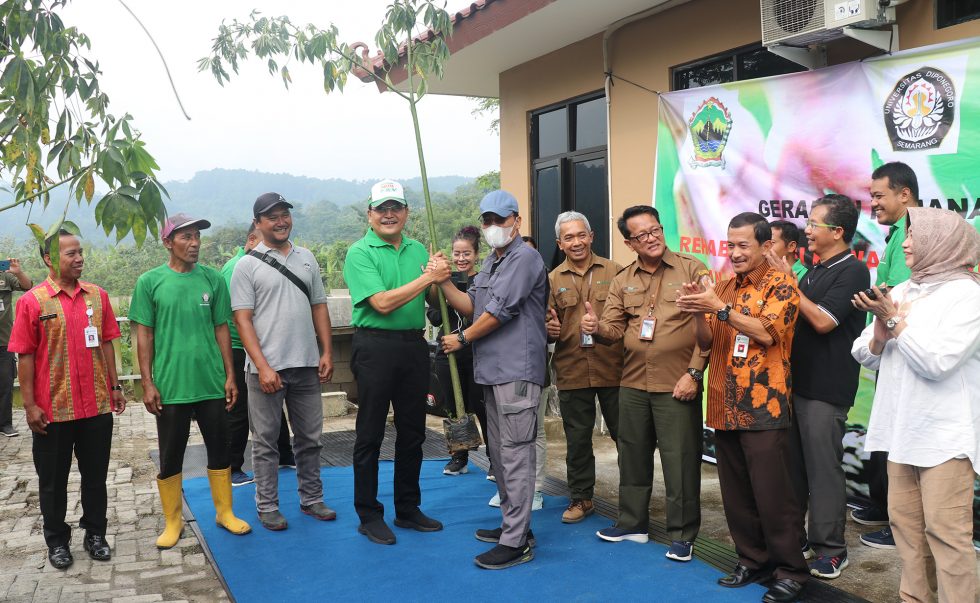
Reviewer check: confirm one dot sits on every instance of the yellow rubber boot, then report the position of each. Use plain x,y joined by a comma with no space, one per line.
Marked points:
221,495
170,499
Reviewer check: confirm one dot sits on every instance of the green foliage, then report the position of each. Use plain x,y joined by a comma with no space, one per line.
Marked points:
485,106
55,128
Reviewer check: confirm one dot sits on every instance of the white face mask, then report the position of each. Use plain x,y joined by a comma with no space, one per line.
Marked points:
497,236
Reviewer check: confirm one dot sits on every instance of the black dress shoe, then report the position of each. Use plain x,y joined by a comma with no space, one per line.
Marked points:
418,521
60,556
97,547
742,576
783,590
377,532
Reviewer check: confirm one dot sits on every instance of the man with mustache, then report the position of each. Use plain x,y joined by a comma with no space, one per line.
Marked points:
659,401
62,333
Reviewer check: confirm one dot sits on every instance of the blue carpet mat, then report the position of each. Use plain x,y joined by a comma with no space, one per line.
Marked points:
329,561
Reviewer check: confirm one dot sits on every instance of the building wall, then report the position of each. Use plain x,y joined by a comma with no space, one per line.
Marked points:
644,52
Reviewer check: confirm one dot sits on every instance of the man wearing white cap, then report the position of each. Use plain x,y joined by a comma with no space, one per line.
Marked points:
387,277
181,312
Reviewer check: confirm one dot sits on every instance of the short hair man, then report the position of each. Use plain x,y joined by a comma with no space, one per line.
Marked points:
659,401
181,311
894,189
238,415
69,397
508,301
750,334
12,278
584,371
787,241
280,309
825,377
387,277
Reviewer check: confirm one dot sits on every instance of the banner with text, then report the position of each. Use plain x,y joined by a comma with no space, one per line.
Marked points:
775,145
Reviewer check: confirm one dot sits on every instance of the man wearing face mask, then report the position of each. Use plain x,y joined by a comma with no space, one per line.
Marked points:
507,301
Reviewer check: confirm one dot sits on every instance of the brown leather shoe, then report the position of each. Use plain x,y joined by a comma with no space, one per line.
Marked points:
577,510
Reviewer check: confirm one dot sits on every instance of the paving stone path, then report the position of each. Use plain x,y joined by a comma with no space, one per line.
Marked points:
138,572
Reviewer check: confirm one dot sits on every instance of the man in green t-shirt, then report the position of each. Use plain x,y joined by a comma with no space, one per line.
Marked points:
786,241
181,311
386,274
12,278
894,188
238,415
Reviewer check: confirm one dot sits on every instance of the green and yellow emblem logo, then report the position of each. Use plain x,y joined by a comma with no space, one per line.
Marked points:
710,125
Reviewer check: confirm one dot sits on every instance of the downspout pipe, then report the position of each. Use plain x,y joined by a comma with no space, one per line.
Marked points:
607,37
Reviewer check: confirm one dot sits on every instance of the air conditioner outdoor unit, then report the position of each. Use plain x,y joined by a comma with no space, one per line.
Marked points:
805,22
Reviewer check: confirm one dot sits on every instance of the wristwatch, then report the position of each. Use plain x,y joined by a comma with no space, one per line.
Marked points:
462,338
723,313
892,322
696,374
116,388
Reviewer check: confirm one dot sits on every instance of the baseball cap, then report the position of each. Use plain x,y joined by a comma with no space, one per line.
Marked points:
181,220
267,201
387,190
501,203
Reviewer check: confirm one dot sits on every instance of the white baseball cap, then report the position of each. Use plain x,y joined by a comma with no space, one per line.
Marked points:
387,190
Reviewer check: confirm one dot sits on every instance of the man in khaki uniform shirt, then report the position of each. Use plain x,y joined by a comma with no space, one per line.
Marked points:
584,370
659,397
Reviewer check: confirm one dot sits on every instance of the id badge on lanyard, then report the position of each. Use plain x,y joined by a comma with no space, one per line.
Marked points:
91,333
741,349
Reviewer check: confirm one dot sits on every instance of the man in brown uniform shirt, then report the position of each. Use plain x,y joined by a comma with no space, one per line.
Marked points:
584,369
658,396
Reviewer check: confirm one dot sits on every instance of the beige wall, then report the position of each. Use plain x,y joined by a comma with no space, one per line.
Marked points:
644,52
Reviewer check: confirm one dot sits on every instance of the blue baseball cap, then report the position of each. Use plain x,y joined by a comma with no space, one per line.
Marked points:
501,203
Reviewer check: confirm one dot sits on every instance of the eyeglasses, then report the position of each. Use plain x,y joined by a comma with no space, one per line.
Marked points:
492,219
643,237
395,208
812,224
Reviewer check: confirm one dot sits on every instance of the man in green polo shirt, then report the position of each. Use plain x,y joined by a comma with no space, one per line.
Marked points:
894,188
387,278
238,415
181,311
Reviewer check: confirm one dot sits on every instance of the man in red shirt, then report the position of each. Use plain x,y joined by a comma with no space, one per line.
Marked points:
63,332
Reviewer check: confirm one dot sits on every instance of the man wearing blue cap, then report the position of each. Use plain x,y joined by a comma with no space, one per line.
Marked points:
508,300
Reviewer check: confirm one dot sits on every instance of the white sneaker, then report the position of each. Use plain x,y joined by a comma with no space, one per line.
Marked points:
538,501
495,501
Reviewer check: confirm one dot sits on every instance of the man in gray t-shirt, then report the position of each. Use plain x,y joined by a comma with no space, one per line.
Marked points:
280,310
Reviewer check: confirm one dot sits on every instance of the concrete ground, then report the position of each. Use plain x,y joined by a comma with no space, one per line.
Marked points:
138,572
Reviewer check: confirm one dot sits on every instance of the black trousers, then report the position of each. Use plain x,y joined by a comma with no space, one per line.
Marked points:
390,367
238,420
472,392
91,441
7,370
764,517
174,427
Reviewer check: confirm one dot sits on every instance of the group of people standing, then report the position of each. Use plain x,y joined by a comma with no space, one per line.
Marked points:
783,343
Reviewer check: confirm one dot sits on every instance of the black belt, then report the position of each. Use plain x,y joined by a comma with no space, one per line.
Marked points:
404,335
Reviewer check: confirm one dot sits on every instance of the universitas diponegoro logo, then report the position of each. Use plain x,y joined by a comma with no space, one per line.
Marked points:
710,126
920,110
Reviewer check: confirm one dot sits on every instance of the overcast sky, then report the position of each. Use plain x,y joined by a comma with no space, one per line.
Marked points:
253,122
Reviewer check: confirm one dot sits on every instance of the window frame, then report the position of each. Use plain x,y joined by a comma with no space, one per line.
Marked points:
732,55
943,21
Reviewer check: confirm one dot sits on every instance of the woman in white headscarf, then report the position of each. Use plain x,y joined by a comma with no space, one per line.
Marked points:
924,342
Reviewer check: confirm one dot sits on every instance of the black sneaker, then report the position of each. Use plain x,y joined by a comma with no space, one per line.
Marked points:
503,556
419,522
9,430
494,536
287,462
273,520
377,532
871,516
882,539
456,466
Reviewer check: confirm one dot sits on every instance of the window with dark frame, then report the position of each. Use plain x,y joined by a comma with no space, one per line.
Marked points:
746,63
569,170
954,12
